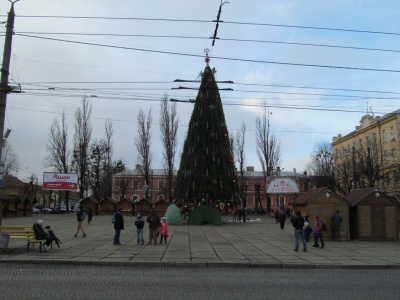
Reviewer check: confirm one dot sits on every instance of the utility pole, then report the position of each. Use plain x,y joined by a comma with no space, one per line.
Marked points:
5,70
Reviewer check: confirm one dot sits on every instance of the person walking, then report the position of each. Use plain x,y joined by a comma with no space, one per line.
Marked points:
80,215
298,223
319,233
282,219
154,223
118,221
336,221
276,216
139,223
163,230
89,215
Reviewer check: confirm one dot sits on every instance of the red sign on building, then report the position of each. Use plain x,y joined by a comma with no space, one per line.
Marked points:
60,181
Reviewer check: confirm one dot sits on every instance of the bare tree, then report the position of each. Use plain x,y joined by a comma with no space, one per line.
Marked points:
106,186
82,137
359,166
10,159
322,165
241,159
169,127
57,146
97,157
268,147
143,143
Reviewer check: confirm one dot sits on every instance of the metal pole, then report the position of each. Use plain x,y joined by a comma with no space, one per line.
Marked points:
5,69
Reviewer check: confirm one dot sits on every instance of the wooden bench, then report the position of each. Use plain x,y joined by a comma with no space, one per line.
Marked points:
23,232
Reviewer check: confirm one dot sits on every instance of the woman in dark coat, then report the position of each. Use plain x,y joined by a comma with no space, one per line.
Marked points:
282,219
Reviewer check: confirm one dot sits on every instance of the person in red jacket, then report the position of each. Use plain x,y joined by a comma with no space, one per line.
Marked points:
319,232
163,230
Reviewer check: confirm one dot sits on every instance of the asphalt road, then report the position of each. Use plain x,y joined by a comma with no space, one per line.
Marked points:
77,281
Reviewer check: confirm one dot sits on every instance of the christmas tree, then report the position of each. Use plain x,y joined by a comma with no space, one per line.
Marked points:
207,169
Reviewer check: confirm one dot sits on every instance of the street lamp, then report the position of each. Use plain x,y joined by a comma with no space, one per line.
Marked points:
246,185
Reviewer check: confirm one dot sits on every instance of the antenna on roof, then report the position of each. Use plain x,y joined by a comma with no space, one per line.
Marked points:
371,111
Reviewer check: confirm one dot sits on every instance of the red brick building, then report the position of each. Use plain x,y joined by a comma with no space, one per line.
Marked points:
130,184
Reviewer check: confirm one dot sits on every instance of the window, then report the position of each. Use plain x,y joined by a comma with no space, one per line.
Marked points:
161,197
161,184
385,156
136,184
122,183
394,153
391,132
368,141
174,184
135,198
384,135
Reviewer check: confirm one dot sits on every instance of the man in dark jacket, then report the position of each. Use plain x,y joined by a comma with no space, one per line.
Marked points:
118,221
298,223
336,221
154,223
139,223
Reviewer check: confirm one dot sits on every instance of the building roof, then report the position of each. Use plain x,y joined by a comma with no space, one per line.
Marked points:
309,195
109,199
379,119
4,196
355,196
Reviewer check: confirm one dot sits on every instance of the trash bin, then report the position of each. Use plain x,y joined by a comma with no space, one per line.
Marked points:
4,238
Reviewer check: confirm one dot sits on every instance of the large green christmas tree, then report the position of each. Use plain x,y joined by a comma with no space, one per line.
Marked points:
207,169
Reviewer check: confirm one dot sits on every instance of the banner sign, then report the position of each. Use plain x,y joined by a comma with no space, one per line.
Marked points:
282,186
60,181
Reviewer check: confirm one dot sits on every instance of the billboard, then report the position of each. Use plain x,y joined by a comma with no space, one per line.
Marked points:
60,181
282,186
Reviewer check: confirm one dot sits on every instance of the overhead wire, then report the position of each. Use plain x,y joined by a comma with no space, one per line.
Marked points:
217,57
207,21
208,38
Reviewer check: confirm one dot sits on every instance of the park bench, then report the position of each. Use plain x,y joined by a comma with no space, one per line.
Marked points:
23,232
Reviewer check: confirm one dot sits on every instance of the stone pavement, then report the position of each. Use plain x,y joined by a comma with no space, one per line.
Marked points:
257,243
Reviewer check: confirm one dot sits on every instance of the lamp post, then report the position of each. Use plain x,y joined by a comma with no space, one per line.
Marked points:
246,185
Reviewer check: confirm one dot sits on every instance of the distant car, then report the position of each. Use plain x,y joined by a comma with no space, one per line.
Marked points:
250,211
256,210
35,210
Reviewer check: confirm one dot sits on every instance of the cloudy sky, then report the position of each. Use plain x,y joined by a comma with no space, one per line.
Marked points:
319,65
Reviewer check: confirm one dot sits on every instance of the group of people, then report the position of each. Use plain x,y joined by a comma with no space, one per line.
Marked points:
303,230
157,227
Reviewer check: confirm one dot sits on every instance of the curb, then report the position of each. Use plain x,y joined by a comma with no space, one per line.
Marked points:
177,264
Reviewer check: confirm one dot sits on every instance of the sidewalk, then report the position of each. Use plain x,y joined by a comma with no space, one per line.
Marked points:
257,243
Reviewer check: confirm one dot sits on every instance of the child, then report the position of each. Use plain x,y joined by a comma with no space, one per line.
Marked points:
139,229
163,230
